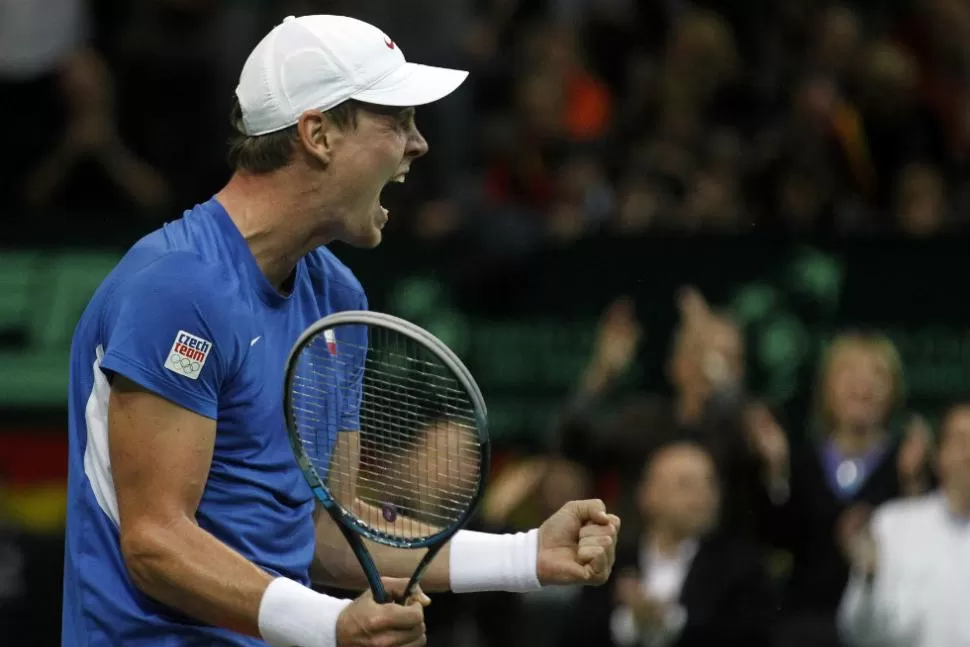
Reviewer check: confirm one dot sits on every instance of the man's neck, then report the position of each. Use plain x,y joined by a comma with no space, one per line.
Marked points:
271,215
856,441
664,541
689,406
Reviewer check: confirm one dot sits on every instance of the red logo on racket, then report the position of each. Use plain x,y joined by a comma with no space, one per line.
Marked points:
331,341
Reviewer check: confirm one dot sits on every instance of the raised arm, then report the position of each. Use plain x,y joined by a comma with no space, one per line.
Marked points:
575,545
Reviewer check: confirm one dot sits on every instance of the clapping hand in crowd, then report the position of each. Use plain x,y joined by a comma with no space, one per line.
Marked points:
617,339
648,612
915,454
619,335
768,441
92,133
856,540
711,339
854,534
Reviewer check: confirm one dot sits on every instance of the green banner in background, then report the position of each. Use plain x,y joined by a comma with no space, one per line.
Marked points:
525,328
42,295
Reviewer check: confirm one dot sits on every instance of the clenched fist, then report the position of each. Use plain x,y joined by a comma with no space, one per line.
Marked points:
577,544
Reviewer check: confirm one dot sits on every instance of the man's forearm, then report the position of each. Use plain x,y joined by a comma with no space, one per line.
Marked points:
470,561
336,565
183,566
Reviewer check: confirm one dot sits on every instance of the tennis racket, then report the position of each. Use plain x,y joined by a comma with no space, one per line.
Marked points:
391,432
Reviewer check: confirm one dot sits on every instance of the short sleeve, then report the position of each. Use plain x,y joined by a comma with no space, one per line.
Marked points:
167,328
350,416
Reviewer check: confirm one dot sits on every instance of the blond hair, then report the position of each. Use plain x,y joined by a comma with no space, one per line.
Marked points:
874,343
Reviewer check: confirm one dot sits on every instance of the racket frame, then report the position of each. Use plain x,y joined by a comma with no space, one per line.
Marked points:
350,526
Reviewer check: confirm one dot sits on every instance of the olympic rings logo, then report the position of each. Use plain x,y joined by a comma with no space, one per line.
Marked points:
184,363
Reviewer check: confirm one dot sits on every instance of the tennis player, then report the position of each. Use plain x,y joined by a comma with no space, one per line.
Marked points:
189,521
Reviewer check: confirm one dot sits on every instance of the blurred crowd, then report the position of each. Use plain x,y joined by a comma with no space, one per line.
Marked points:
616,117
734,533
580,116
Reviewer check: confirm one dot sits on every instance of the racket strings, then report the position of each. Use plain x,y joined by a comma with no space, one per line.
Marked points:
319,382
415,465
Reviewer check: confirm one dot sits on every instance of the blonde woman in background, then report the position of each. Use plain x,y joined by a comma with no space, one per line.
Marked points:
852,460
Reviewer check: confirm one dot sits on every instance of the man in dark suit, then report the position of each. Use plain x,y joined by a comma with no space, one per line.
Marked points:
678,583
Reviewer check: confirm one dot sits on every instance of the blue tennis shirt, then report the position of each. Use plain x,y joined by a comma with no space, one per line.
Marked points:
189,315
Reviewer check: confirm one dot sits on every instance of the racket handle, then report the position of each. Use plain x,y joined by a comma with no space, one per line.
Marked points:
422,567
364,558
379,592
385,598
408,589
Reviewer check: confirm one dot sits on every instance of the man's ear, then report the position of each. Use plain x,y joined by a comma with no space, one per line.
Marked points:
318,135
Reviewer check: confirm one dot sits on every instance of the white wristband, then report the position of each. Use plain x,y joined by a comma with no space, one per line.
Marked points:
292,615
482,561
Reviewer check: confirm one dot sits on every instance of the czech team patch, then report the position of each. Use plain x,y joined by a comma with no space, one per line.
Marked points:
188,355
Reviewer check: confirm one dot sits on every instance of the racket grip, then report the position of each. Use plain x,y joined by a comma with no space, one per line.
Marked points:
403,599
419,572
385,598
379,592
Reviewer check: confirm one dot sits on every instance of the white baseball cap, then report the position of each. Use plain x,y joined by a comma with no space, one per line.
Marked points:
321,61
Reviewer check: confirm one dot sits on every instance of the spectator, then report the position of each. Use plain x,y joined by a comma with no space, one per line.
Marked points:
911,562
181,90
920,201
92,167
585,111
584,198
65,148
698,117
36,40
678,583
836,42
894,126
936,33
706,371
852,459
